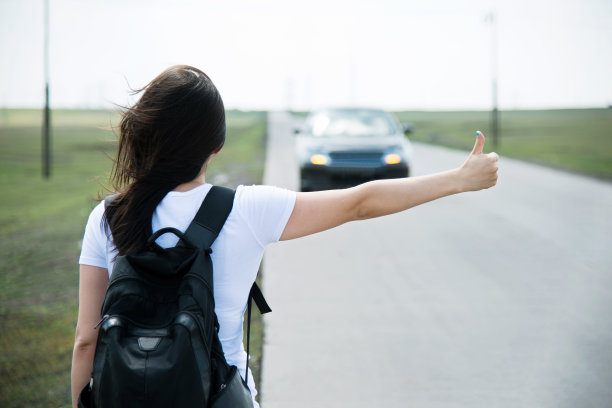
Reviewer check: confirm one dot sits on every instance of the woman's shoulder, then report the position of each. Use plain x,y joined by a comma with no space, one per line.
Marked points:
97,212
263,196
95,239
266,210
262,191
95,222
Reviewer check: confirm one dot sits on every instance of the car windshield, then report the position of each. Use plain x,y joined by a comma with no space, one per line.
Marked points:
353,122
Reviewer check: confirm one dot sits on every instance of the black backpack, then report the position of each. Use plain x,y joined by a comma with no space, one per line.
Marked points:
158,344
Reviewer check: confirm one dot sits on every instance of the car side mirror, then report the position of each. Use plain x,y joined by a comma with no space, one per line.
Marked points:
408,127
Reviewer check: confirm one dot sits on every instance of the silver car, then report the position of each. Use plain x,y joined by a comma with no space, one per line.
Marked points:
346,147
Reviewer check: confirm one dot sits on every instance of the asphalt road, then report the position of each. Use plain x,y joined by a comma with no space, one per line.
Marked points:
500,298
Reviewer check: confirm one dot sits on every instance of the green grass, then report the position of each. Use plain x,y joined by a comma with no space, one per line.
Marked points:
41,224
578,140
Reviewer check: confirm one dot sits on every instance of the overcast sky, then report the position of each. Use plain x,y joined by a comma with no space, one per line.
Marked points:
397,54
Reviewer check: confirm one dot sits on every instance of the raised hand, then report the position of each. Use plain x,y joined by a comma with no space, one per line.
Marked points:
479,170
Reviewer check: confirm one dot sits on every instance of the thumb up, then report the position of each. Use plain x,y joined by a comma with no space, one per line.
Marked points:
480,142
479,171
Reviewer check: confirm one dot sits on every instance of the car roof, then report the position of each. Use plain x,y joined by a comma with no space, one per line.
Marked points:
330,110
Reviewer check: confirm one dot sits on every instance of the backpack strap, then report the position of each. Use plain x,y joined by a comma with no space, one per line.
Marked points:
211,216
203,231
255,295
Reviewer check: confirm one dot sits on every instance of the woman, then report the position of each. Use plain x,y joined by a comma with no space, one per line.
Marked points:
166,141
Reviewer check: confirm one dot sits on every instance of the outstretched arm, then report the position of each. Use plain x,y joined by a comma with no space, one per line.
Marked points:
318,211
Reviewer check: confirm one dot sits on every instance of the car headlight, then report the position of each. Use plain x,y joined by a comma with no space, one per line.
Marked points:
319,159
393,158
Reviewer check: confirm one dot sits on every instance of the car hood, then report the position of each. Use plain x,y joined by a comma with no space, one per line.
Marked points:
330,144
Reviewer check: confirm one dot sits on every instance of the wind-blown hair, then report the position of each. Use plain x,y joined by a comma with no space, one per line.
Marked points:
164,140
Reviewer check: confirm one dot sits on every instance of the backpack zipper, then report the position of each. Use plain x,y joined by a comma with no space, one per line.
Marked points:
148,283
102,320
144,326
202,334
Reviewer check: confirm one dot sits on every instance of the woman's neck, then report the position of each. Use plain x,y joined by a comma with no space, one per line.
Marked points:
198,181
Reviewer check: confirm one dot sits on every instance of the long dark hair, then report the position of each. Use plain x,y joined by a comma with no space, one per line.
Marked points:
164,140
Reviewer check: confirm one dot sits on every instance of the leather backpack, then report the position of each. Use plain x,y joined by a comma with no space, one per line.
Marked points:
158,343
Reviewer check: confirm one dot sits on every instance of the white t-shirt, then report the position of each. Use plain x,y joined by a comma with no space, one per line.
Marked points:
258,217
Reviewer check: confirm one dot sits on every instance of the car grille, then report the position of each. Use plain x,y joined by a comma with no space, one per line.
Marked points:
358,159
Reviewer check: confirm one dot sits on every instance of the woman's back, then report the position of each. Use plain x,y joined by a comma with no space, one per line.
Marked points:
258,218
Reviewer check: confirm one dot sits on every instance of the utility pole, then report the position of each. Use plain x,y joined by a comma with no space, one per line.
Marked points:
492,19
46,134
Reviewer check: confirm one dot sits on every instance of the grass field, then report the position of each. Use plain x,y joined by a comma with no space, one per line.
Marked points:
41,225
578,140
